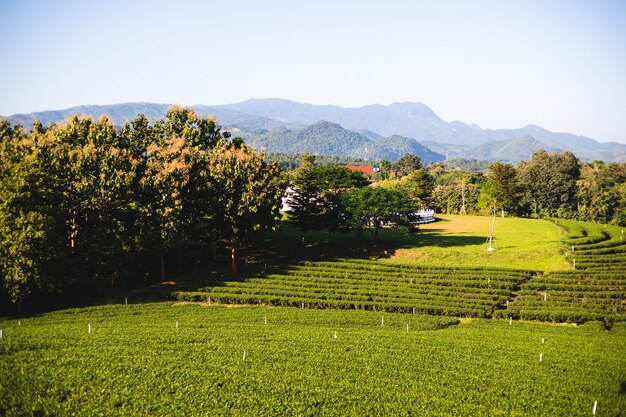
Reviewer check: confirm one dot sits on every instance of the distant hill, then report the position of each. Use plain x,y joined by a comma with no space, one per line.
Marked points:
374,131
331,139
121,113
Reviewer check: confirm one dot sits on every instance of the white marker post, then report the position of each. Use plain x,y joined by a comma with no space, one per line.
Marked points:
510,320
545,296
126,300
303,305
89,328
0,333
595,406
488,281
244,355
19,323
542,341
413,310
335,335
266,319
177,325
411,280
407,327
574,264
382,320
541,357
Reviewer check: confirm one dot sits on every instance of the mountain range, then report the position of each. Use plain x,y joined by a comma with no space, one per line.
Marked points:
370,132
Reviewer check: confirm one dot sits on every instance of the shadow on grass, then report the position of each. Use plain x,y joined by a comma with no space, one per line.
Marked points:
278,251
269,253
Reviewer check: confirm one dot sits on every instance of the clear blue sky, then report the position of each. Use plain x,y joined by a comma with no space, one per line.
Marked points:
558,64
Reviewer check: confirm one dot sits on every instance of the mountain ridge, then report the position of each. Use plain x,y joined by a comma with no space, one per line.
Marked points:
411,120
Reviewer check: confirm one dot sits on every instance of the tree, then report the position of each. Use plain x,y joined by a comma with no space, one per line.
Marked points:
163,200
247,194
407,164
373,207
27,222
501,190
601,193
313,196
549,182
419,187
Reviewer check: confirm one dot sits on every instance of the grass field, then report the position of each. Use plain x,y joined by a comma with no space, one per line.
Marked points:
136,361
461,241
352,349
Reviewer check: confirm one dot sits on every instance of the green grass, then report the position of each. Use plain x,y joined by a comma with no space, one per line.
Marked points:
135,362
461,241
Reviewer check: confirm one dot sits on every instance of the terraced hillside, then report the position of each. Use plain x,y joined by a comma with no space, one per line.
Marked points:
370,285
595,288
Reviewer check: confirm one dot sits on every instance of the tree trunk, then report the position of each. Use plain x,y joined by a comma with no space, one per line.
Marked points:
162,268
214,246
233,255
18,306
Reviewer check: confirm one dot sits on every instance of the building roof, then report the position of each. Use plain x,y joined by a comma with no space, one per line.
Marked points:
366,169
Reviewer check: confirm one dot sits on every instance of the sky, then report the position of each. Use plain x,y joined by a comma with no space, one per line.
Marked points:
499,64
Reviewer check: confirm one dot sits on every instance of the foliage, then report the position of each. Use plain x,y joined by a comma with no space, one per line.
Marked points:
549,183
602,193
501,190
407,164
246,191
373,207
81,203
314,194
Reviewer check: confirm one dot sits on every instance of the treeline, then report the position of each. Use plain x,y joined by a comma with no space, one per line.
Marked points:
292,161
548,185
83,205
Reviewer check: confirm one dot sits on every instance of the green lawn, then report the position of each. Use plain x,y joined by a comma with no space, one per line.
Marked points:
461,241
136,362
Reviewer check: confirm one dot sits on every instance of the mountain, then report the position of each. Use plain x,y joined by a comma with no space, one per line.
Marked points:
274,121
325,138
121,113
416,120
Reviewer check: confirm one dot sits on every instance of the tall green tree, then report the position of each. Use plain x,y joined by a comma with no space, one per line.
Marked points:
164,201
419,187
602,193
549,183
501,191
27,222
407,164
247,191
314,194
370,208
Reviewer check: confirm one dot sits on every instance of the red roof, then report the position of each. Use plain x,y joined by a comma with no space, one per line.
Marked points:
366,169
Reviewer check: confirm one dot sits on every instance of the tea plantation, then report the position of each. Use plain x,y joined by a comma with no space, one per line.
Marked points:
338,335
228,361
